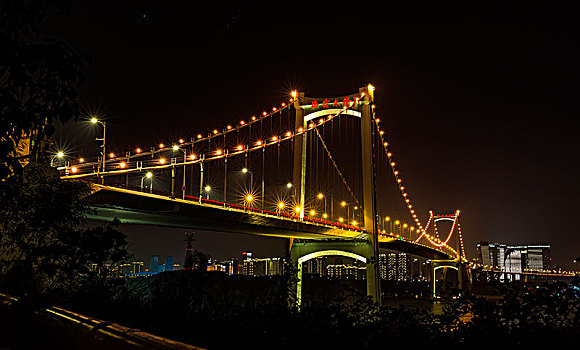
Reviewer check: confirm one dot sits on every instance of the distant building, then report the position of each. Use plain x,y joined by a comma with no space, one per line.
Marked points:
154,265
316,266
514,258
230,266
392,266
335,270
168,263
261,267
383,271
398,266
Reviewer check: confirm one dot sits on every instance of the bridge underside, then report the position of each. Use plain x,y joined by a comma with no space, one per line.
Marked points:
133,207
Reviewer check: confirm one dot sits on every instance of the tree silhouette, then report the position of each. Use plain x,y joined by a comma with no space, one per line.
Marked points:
43,245
39,79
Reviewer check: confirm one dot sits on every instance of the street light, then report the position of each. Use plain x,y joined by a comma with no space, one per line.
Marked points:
321,197
246,171
59,155
207,190
104,124
343,204
148,175
249,198
176,148
280,206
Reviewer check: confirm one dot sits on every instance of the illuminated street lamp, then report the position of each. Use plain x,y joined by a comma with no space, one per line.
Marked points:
177,148
207,190
59,155
104,124
249,198
344,204
246,171
148,175
321,196
279,207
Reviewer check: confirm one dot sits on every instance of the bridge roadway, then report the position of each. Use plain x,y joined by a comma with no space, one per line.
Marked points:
136,207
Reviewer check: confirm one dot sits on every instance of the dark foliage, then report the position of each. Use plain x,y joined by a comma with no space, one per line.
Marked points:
216,311
39,79
43,246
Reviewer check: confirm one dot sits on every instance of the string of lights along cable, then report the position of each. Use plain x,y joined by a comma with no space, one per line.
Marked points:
297,161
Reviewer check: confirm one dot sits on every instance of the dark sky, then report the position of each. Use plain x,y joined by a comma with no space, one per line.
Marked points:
480,101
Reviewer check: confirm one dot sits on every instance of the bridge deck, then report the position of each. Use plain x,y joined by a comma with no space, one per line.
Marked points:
135,207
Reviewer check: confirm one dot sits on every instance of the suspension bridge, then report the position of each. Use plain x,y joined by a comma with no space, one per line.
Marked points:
318,171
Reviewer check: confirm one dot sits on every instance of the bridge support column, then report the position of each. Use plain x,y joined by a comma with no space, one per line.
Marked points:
369,198
172,182
445,264
299,161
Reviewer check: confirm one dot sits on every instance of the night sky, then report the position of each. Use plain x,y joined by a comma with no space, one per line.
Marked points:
479,102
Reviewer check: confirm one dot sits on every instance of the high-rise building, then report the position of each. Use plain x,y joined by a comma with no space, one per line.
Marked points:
169,263
154,265
274,266
514,258
316,266
336,270
383,266
261,267
392,266
398,266
403,267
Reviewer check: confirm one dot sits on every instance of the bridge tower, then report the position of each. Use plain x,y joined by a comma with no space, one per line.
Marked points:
458,263
366,250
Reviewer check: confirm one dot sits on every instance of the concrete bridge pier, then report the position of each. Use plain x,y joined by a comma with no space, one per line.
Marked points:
304,250
454,264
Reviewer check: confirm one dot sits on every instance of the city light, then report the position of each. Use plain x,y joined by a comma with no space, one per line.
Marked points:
320,196
297,209
249,198
74,169
60,154
289,185
312,212
280,205
162,161
325,216
175,147
207,188
343,203
149,175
